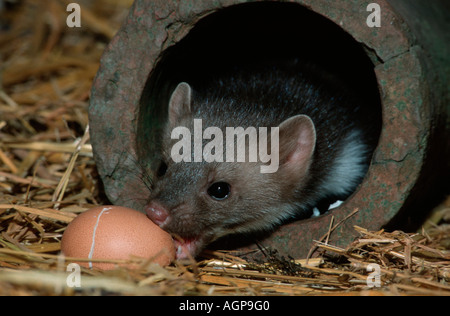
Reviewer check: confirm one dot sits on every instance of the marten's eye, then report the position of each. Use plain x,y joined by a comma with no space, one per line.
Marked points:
162,169
219,191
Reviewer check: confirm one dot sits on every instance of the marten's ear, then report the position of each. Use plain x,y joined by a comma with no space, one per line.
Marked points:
180,103
297,143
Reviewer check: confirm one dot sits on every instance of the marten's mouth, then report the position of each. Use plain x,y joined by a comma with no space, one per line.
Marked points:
187,248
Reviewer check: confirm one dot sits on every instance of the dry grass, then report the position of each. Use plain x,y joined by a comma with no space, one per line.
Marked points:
48,176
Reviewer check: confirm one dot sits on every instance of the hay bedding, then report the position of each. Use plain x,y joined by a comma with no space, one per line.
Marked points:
48,176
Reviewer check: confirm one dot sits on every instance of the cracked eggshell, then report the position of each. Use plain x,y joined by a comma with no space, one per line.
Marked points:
115,232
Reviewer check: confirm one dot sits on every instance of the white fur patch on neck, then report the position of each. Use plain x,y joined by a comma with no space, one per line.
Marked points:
348,168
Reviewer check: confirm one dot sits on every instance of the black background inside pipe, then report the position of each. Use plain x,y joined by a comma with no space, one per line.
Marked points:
243,34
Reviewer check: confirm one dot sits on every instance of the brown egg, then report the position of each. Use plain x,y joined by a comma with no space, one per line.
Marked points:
115,232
